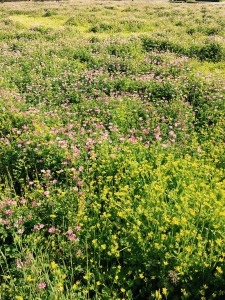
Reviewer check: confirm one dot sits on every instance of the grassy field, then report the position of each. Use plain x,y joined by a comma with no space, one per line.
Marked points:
112,150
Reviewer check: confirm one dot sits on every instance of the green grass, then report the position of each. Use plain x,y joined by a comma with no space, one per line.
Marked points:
112,150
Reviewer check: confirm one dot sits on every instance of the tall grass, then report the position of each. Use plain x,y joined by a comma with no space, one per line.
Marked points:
112,151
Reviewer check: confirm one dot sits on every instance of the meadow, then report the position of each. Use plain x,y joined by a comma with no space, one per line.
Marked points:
112,150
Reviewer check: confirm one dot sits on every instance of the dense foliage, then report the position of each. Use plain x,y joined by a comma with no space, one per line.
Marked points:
112,154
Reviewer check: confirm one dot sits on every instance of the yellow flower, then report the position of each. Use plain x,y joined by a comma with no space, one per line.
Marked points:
165,291
53,216
60,287
158,295
188,249
184,292
54,265
75,286
150,234
103,246
94,242
219,242
123,290
219,270
29,278
19,298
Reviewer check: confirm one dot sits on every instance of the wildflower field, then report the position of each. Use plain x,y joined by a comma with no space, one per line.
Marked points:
112,150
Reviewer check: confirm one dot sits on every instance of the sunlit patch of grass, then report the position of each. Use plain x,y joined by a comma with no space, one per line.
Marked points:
205,67
30,21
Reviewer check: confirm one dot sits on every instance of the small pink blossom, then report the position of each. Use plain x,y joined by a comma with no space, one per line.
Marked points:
23,201
20,221
157,136
51,230
46,193
70,231
36,227
42,285
172,134
34,203
19,264
77,228
145,131
133,139
72,237
81,168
